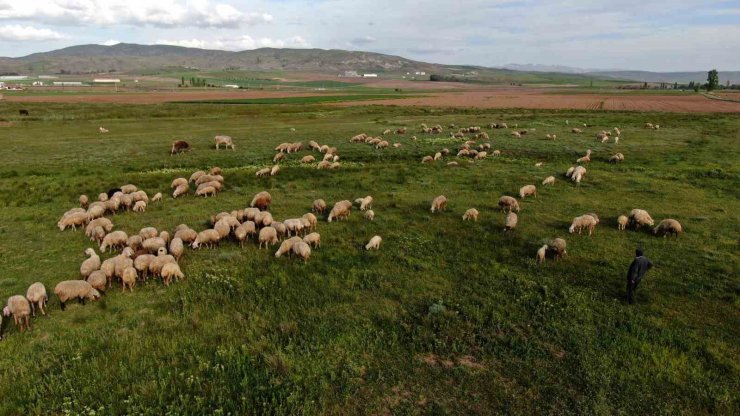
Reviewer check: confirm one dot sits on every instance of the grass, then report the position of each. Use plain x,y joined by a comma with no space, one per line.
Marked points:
447,317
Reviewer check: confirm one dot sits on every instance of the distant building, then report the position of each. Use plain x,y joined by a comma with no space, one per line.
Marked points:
13,77
106,80
420,73
48,77
351,74
231,86
67,84
369,75
2,85
38,83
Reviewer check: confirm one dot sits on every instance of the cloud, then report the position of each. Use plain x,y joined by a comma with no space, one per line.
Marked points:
159,13
238,43
19,33
111,42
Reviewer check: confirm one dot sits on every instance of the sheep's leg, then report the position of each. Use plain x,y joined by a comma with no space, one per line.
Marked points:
62,305
33,308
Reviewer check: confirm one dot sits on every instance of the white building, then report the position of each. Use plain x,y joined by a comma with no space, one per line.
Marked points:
106,80
13,77
369,75
67,83
38,83
420,73
231,86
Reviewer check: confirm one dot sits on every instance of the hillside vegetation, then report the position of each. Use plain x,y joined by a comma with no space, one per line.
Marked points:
448,317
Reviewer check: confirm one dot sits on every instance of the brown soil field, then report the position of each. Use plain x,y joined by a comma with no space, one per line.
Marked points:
539,99
152,97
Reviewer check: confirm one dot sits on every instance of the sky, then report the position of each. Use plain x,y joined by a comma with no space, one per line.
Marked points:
654,35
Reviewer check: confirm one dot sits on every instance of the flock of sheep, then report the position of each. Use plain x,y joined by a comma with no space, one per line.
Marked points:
151,253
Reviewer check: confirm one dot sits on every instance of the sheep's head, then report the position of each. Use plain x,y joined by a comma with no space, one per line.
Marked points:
161,251
89,252
93,294
127,252
6,311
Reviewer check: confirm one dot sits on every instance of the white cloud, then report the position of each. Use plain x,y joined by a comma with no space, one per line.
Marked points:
363,40
111,42
27,33
159,13
238,43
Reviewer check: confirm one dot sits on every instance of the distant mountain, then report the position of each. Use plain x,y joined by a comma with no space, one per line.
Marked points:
545,68
669,77
126,57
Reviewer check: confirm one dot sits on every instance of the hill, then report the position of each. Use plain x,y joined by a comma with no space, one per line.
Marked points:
670,77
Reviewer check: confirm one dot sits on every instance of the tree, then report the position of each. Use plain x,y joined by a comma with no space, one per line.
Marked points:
712,80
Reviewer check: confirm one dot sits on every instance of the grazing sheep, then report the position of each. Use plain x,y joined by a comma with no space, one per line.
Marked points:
222,228
197,174
622,222
102,129
369,215
374,243
312,220
640,217
668,227
180,190
576,130
578,173
550,180
308,159
263,172
227,141
516,134
585,159
584,221
157,197
128,278
170,271
319,206
98,280
205,191
103,223
139,206
71,289
153,244
268,236
649,126
37,297
84,200
341,209
158,262
179,146
287,246
439,203
511,220
20,308
453,163
73,220
206,238
114,240
470,214
178,182
177,247
186,234
427,159
366,203
148,232
550,136
263,219
541,254
261,200
557,248
90,264
275,169
616,158
527,190
302,250
508,202
313,239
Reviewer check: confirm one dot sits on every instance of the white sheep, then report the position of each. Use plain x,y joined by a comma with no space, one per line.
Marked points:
84,201
287,246
508,203
227,141
180,190
668,227
20,308
139,206
98,280
91,264
622,222
511,221
541,254
302,250
37,297
206,238
177,247
73,220
313,239
157,197
275,169
584,221
439,203
267,236
640,217
374,243
550,180
470,214
71,289
116,239
170,271
128,278
153,244
341,209
527,190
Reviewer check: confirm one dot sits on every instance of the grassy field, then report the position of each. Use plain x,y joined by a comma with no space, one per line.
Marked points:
448,317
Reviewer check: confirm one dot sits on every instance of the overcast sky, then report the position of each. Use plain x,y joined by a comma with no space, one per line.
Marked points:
658,35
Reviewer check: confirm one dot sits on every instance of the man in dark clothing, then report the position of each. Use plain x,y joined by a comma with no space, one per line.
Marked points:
640,265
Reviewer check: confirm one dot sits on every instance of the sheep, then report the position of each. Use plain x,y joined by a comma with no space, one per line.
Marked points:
176,248
640,217
179,146
287,246
205,191
312,220
104,223
550,136
453,163
427,159
222,228
197,174
527,190
557,248
401,130
668,227
94,212
116,239
308,159
649,126
98,280
177,182
541,254
439,203
481,155
397,145
20,308
585,159
84,200
374,243
618,157
576,130
313,239
584,221
129,189
319,206
180,190
186,234
157,197
496,153
550,180
207,237
227,141
507,202
365,203
268,236
128,278
140,206
302,250
516,134
157,263
275,169
263,219
261,200
382,144
73,220
90,264
71,289
153,244
341,209
578,173
169,271
242,232
386,131
102,197
622,222
102,129
471,214
511,220
37,297
148,232
569,172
